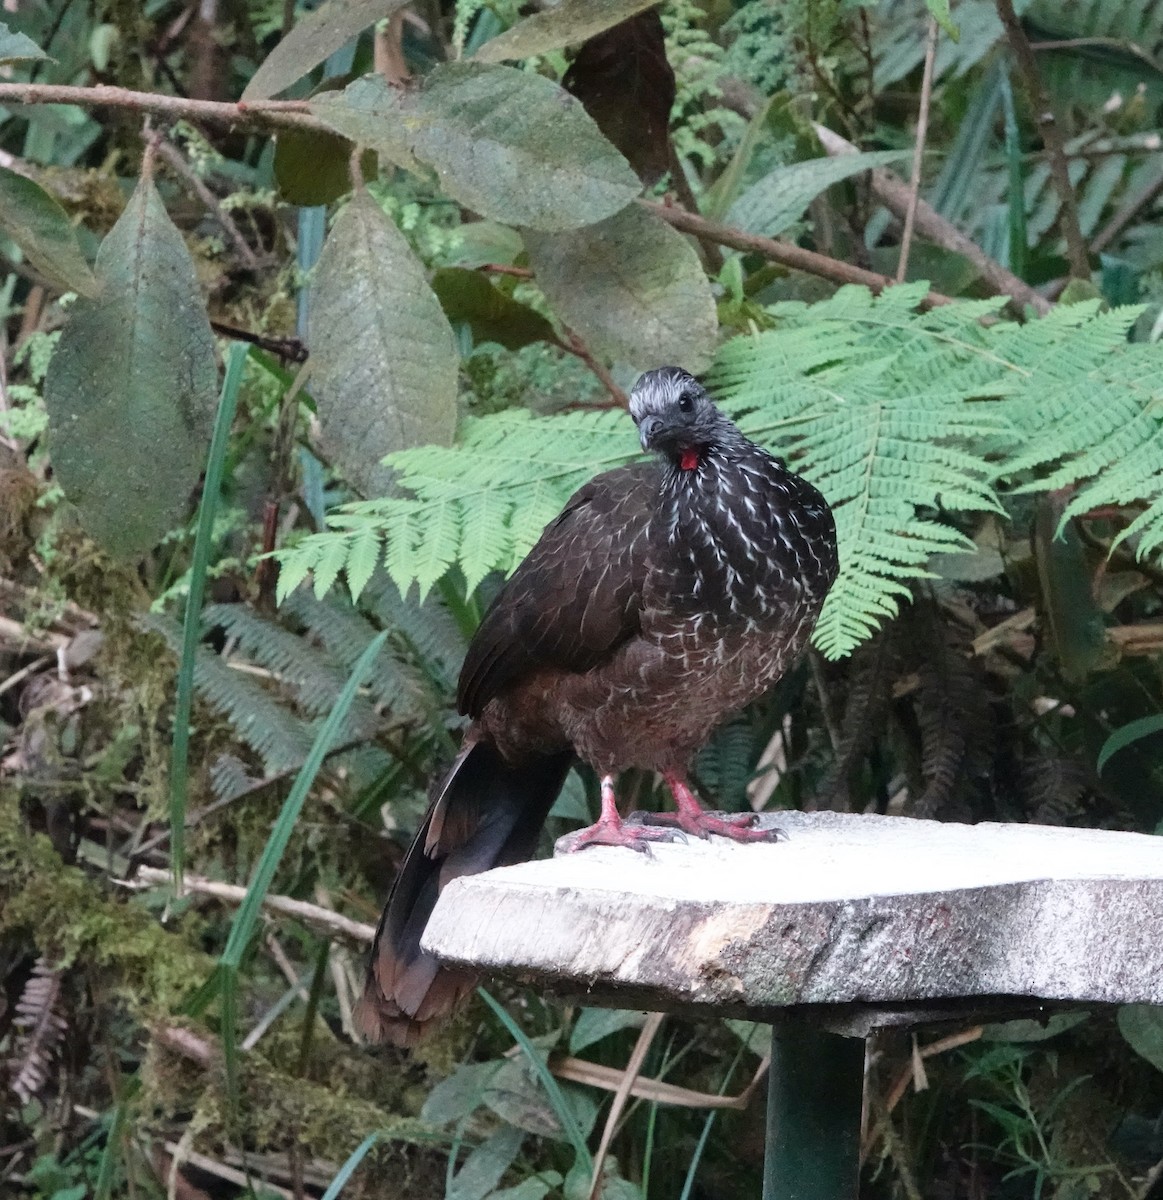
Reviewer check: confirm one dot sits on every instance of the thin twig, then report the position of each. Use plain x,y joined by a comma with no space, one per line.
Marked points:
184,1041
893,193
574,345
185,172
504,269
918,150
287,967
646,1036
786,253
1076,253
1149,1180
322,918
21,641
337,963
289,349
906,1076
221,1171
821,684
284,113
24,672
609,1079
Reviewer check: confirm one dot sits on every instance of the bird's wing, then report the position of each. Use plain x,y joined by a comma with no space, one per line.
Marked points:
577,595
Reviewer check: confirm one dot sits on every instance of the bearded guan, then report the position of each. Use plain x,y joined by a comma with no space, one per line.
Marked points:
666,596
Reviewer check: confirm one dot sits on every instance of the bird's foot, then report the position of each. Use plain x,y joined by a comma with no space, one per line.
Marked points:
691,817
701,823
611,830
620,833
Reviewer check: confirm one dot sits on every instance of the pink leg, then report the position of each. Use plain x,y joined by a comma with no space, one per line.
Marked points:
611,830
693,818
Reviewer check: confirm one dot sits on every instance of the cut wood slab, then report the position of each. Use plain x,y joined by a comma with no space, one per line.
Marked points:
861,912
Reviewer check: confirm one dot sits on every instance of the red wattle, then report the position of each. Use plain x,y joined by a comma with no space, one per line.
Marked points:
689,459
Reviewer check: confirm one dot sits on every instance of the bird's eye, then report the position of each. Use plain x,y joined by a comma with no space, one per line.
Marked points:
686,402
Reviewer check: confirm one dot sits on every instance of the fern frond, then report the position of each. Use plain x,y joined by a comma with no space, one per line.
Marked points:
875,667
345,634
726,764
882,411
902,418
479,505
310,676
270,729
230,778
1093,414
952,708
1057,788
427,629
39,1028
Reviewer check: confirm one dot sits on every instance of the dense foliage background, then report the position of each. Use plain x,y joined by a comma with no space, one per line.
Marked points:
312,315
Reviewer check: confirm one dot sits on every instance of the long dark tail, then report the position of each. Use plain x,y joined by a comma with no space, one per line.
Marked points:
484,813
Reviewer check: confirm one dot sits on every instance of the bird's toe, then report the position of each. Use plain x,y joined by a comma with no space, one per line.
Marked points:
629,834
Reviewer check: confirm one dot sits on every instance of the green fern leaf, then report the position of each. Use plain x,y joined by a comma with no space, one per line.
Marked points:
363,556
436,551
904,419
331,560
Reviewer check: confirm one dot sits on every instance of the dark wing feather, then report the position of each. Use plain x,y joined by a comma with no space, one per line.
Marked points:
577,595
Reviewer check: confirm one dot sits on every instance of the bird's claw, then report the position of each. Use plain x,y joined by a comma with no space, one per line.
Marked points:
739,827
638,837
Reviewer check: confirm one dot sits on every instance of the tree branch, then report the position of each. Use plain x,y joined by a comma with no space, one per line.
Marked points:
893,193
574,345
312,914
786,253
178,164
285,113
1051,138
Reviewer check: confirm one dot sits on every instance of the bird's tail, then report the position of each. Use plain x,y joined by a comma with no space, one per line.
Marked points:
483,813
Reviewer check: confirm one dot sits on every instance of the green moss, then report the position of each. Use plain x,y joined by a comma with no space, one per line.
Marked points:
67,916
278,1111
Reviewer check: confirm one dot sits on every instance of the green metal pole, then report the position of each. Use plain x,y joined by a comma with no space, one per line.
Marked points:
813,1115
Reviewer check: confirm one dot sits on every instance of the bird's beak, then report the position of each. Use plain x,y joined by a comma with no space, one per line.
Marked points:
648,430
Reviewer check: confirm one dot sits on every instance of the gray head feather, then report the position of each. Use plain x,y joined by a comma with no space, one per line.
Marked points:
674,413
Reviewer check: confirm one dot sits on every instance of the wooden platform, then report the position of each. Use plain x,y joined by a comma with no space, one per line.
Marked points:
857,920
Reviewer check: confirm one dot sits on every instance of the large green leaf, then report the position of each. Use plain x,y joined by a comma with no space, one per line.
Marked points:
1142,1026
624,80
368,111
510,145
485,1166
317,35
314,167
41,228
384,363
1125,735
132,387
564,24
632,287
774,202
492,315
18,47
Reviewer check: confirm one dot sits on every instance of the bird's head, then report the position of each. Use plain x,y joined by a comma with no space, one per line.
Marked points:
674,415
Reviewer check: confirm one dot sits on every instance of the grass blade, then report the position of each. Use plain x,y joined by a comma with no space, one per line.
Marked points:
104,1188
247,916
192,621
348,1169
701,1145
1017,188
552,1088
